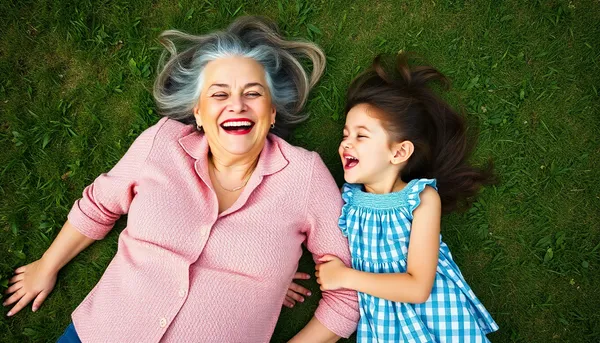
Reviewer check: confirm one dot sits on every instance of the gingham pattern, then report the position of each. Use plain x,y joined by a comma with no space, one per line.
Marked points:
378,230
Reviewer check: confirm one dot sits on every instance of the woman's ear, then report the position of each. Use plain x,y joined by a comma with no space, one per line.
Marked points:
196,112
402,152
273,113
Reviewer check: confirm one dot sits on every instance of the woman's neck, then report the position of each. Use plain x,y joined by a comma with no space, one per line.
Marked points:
225,162
232,166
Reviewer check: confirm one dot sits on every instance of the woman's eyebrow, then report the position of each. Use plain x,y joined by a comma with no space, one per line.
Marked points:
252,84
221,85
248,85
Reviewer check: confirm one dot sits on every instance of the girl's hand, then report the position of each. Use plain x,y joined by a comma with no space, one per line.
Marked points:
331,273
295,291
33,281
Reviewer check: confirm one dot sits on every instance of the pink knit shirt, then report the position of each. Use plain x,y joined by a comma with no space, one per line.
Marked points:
185,273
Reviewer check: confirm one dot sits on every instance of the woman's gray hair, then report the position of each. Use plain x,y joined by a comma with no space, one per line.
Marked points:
179,82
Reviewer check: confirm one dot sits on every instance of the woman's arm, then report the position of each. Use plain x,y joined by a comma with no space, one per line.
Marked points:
91,218
37,279
415,285
337,313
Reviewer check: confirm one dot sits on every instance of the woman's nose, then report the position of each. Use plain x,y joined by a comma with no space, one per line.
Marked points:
237,104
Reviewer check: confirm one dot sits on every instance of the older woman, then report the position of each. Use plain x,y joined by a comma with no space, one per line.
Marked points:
218,210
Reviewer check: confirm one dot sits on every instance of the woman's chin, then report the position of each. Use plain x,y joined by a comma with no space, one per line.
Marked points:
240,148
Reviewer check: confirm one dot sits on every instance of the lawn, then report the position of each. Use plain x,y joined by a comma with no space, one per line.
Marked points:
75,90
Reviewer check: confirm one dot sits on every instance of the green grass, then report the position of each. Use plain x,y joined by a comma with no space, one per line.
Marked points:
75,91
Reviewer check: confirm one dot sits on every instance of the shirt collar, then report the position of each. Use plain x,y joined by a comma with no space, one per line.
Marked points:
270,161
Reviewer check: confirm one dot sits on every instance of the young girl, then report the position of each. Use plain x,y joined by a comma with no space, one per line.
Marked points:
404,153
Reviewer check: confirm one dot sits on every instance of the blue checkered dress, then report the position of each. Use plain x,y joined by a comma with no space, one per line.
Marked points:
378,229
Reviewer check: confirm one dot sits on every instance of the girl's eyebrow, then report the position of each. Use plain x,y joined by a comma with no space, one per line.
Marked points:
358,127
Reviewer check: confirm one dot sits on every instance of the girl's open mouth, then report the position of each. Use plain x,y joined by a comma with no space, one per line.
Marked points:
351,161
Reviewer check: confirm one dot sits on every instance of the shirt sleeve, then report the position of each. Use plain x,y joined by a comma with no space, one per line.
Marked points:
337,310
110,195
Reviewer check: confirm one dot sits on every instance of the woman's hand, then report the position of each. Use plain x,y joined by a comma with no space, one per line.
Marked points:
33,281
296,292
331,273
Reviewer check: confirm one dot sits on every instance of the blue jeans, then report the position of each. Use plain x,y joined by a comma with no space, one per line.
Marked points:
69,336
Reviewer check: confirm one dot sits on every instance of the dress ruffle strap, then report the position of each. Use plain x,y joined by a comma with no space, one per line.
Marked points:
415,187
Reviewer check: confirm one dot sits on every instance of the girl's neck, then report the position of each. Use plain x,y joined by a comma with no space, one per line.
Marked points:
385,186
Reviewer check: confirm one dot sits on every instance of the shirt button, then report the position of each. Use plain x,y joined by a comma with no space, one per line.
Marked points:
163,322
182,293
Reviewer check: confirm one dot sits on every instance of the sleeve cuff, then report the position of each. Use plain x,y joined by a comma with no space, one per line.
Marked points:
85,225
336,322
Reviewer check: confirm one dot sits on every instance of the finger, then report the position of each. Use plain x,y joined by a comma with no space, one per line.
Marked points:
295,296
39,300
317,266
294,286
288,302
302,276
16,278
20,270
326,258
299,289
317,274
14,297
22,303
319,281
15,287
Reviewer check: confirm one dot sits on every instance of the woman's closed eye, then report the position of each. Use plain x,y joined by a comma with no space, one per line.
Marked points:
220,96
252,94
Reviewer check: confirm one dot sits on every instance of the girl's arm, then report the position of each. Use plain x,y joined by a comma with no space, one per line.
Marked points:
415,285
37,279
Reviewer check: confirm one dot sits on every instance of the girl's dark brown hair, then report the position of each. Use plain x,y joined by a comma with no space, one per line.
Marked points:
410,110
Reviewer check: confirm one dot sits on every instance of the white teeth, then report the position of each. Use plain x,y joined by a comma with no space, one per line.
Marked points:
351,158
237,123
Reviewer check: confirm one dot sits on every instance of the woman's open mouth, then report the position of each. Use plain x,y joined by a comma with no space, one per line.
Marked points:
350,161
237,126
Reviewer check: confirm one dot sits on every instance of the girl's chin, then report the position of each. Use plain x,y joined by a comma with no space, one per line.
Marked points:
351,178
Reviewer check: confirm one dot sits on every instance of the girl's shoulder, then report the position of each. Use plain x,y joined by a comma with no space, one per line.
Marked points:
414,189
348,190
